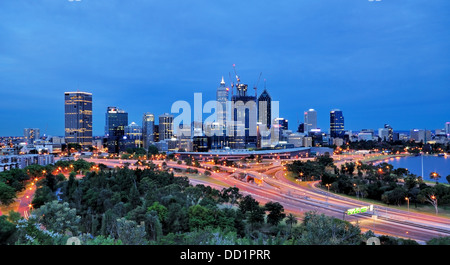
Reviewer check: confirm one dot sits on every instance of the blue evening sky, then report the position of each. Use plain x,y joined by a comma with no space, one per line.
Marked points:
379,62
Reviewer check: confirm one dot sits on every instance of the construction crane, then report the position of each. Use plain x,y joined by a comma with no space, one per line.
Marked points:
256,85
235,73
232,84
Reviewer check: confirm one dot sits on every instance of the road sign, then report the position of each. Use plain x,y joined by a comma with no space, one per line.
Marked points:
360,210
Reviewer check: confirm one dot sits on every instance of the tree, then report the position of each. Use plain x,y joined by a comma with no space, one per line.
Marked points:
250,207
428,195
130,233
324,230
439,241
435,176
291,220
7,229
153,150
7,194
160,209
199,217
448,179
58,217
276,212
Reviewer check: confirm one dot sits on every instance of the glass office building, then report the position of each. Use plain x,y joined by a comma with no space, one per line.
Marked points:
78,118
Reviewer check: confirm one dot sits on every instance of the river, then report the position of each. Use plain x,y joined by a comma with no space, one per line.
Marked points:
431,163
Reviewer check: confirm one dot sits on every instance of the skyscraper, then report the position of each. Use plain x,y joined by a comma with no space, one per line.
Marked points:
244,119
78,118
447,129
165,126
148,124
116,120
336,124
390,136
219,136
31,134
310,120
222,99
133,134
265,109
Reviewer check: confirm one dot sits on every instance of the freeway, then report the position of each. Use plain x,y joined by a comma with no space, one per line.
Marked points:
298,198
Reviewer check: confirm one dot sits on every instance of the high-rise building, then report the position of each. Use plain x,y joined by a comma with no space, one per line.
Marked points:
31,134
244,119
390,136
219,135
383,134
148,124
336,124
447,129
116,120
78,118
222,99
133,134
420,135
165,126
310,120
265,109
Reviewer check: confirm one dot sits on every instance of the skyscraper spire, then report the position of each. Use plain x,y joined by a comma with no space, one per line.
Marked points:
222,82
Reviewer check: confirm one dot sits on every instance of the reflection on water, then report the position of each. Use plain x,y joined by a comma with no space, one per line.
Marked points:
437,164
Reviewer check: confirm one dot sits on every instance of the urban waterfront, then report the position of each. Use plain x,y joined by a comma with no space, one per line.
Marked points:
431,163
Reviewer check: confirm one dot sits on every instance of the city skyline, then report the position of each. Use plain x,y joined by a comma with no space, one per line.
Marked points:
379,62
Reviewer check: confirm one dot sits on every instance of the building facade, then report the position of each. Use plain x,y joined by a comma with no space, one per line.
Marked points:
244,119
31,134
148,125
336,124
116,121
165,126
310,120
265,109
78,118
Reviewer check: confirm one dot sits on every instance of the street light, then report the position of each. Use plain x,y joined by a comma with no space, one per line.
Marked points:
328,186
407,200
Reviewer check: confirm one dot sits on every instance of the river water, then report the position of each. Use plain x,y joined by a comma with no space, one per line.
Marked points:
437,164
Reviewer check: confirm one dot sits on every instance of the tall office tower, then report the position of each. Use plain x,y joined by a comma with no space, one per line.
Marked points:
222,99
165,126
78,118
447,129
220,133
310,120
31,134
244,118
148,124
390,136
265,109
336,124
116,120
133,134
383,134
